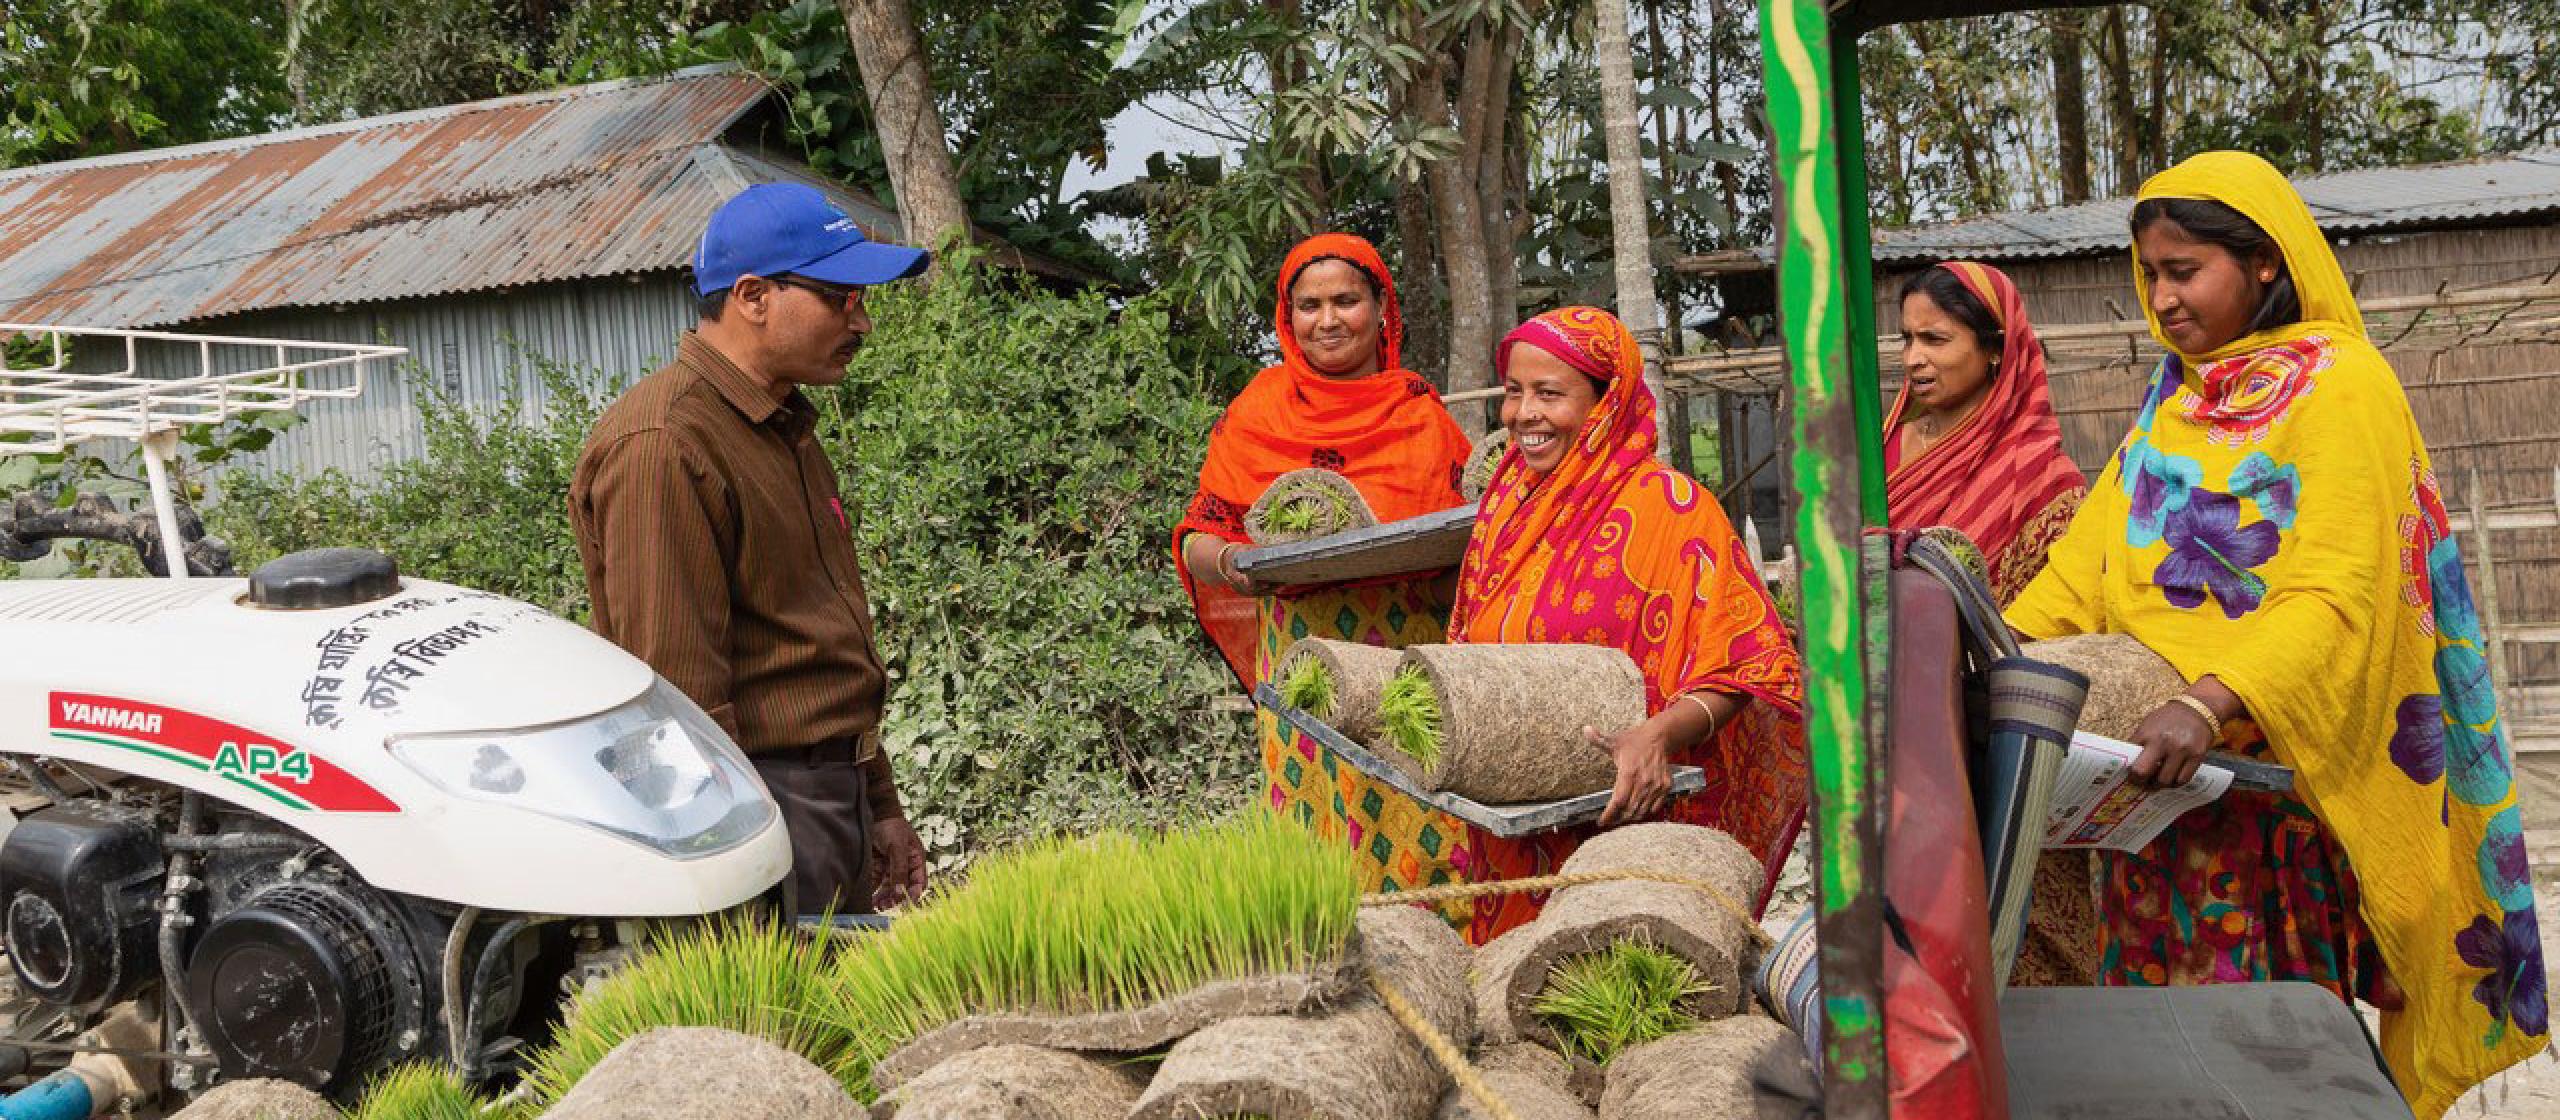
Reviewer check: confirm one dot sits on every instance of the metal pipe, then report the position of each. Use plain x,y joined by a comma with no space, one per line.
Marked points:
157,448
33,771
454,1007
173,921
238,842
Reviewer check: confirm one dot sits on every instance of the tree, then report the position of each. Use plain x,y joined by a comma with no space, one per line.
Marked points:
1996,113
2070,102
913,141
93,77
1631,224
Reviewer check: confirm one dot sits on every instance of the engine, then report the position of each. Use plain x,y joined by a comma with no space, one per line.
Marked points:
309,979
295,969
82,885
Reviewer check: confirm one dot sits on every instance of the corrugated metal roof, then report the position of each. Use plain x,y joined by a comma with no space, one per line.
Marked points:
590,181
2348,202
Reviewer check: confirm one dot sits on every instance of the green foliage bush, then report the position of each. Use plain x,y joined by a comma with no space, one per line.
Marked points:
1015,460
1019,459
486,507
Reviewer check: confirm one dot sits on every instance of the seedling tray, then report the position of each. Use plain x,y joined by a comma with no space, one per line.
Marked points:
1416,544
1505,821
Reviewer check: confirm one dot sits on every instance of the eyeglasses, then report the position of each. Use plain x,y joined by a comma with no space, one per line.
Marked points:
840,296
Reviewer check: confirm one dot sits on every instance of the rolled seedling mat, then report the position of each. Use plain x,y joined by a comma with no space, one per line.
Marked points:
1355,1062
1133,1030
1586,918
1481,463
1512,717
1014,1082
1353,675
2127,681
681,1073
1533,1081
1305,504
258,1099
1743,1068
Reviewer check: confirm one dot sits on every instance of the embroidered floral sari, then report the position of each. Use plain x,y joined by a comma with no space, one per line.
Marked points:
2272,520
1386,432
1613,548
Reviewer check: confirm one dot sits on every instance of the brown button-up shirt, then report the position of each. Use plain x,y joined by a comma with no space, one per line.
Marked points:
717,549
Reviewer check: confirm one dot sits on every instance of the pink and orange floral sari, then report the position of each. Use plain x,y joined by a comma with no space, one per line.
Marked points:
1613,548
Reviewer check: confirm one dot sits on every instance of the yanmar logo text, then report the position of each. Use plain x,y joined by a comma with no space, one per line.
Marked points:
242,763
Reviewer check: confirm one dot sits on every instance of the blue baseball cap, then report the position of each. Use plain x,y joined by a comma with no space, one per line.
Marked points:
773,228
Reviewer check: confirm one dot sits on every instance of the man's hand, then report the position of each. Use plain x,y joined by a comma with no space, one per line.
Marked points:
897,861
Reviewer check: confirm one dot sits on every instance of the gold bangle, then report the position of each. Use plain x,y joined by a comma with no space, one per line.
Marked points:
1714,722
2212,722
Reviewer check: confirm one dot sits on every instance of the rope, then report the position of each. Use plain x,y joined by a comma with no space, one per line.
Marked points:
1442,1050
1460,892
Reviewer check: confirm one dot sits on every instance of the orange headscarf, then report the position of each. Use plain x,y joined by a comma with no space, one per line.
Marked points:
1387,432
1612,548
2001,476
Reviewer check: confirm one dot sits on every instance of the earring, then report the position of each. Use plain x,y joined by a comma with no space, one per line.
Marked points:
2266,278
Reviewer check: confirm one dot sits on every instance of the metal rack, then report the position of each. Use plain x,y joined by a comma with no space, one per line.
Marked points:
51,407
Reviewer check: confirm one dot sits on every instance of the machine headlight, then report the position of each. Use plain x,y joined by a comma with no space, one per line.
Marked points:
656,771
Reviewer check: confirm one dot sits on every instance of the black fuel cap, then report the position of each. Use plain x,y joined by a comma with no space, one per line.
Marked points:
323,577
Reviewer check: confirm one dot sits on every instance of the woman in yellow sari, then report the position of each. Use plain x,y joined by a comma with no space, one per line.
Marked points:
2272,527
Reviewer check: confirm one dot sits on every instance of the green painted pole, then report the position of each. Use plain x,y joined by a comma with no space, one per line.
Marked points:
1823,280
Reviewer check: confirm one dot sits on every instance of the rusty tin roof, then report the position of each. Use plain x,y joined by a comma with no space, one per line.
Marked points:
590,181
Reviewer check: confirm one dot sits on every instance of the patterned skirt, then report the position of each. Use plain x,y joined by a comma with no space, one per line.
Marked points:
1402,843
2249,888
1406,845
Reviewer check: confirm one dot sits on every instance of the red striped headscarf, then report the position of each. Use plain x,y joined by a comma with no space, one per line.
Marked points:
2001,476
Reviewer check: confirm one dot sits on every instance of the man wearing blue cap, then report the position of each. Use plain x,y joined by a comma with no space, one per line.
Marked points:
718,550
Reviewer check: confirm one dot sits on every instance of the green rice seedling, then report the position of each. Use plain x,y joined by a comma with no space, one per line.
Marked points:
1310,509
1409,715
418,1091
1602,1004
1106,922
1308,687
1296,515
756,978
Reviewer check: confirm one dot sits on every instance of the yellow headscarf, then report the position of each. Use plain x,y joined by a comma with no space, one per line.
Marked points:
2273,521
2260,193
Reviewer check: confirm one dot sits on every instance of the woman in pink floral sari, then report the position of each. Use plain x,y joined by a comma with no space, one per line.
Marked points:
1584,537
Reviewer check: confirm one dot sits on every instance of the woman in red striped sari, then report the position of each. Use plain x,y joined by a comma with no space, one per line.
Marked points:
1973,443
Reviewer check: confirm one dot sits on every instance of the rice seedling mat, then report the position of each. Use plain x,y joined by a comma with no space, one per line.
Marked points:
1416,544
1501,820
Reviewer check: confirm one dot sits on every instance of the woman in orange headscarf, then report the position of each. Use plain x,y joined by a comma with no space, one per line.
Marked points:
1584,537
1341,400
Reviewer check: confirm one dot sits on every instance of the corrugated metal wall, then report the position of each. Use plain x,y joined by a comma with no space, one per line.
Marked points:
480,349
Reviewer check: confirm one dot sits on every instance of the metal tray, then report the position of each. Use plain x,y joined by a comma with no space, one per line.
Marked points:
1416,544
1506,821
